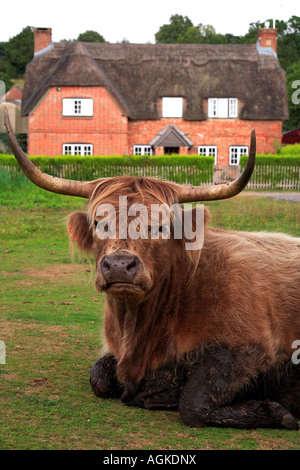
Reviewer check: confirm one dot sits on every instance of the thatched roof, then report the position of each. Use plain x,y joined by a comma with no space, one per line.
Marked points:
138,75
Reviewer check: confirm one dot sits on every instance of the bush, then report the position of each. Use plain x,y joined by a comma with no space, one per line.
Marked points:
286,160
179,168
293,149
275,172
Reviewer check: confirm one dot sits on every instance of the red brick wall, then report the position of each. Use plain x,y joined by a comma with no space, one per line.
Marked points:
268,38
219,132
107,129
112,133
42,38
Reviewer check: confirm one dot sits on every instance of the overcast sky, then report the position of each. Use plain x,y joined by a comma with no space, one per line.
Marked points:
136,20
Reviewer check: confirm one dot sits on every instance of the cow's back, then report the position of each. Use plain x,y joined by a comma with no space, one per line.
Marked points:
246,291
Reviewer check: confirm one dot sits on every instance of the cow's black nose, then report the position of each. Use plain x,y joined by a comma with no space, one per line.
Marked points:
119,267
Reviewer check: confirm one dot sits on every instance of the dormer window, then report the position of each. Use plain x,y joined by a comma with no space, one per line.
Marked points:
222,108
77,107
172,107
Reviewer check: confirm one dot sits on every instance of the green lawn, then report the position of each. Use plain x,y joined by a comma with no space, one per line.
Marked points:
51,320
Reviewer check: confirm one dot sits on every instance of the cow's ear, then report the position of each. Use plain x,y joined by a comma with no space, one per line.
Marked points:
80,230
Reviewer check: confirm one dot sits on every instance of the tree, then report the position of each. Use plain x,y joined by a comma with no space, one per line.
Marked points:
191,36
169,33
293,96
7,72
19,50
288,41
90,36
251,36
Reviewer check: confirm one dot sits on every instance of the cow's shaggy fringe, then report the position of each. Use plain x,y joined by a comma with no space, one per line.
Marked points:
150,191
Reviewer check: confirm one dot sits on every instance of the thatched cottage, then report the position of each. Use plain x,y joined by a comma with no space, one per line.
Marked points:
105,99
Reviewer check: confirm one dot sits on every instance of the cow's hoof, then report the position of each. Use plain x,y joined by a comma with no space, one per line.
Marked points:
103,378
290,422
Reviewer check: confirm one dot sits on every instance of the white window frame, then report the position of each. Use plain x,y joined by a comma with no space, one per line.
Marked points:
77,107
78,149
232,107
235,152
208,151
172,107
222,108
142,150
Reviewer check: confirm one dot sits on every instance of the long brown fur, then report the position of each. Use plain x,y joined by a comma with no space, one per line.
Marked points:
242,290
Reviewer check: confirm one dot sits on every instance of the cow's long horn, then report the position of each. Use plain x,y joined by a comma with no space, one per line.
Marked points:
50,183
220,191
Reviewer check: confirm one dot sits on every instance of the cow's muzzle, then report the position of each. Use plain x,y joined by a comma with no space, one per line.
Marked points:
119,268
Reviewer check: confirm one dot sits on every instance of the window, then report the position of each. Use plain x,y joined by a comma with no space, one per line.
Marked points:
233,107
208,151
222,107
234,154
78,149
172,107
77,107
142,150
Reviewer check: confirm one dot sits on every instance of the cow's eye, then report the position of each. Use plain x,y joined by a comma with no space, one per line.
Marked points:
95,223
163,229
156,231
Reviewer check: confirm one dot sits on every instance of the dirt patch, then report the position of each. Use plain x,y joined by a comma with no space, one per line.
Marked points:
10,328
38,383
57,271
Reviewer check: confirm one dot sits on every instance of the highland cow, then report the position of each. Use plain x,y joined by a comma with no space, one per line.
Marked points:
209,332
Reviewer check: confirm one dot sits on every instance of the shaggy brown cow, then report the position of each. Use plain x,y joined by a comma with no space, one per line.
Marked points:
209,331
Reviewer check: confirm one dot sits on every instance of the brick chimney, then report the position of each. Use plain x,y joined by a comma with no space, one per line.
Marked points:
268,38
42,40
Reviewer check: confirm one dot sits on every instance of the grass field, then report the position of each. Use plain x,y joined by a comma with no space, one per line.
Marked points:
51,320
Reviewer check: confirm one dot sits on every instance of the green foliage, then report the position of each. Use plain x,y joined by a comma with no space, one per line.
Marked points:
275,171
284,159
90,36
182,30
293,149
178,168
21,138
7,71
288,41
278,171
19,50
170,33
293,96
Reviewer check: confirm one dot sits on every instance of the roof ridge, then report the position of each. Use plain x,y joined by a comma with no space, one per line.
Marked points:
138,76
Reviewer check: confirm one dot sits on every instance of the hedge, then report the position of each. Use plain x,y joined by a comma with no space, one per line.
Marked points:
275,172
286,160
280,171
192,169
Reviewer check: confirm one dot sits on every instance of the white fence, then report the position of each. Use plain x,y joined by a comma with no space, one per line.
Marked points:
285,177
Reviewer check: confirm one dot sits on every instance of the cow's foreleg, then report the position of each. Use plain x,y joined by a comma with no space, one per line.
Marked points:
159,389
217,393
103,378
